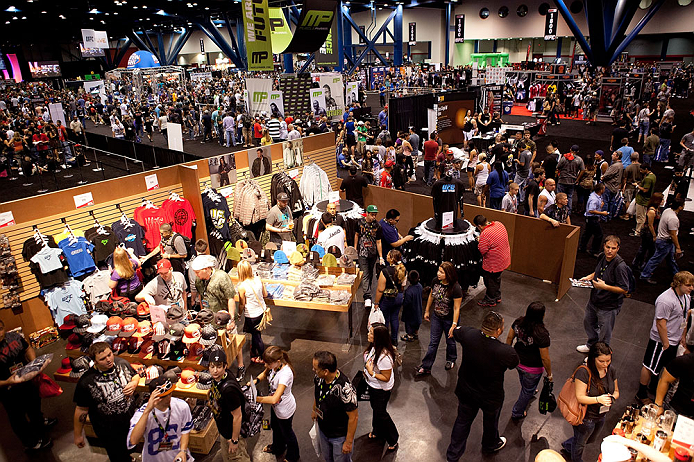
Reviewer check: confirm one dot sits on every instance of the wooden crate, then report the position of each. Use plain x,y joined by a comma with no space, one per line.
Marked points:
202,442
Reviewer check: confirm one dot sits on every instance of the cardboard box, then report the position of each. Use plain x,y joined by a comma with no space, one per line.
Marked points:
202,442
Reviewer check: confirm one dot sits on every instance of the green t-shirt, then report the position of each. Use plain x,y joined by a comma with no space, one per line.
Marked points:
361,133
216,291
648,182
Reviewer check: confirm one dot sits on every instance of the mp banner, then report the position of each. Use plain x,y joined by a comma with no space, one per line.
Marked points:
352,93
259,95
279,30
256,26
327,53
315,22
276,104
295,94
333,88
318,103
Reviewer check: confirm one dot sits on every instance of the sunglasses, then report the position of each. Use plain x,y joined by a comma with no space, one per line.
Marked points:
164,387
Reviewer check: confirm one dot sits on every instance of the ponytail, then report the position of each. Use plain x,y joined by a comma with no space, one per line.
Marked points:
400,271
274,353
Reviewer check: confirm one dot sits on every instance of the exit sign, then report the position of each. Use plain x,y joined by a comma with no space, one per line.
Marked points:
92,77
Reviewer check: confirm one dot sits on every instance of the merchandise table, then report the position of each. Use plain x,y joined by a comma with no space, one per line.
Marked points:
622,429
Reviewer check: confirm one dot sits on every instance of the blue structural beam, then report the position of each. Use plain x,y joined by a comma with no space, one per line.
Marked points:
119,53
371,44
397,39
580,38
641,24
346,34
182,39
209,28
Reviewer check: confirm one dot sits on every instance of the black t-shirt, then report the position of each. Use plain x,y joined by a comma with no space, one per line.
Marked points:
534,189
485,361
224,397
665,131
614,273
46,280
131,236
593,410
217,214
369,235
550,166
443,303
12,351
528,344
682,368
102,393
353,188
104,244
334,401
447,195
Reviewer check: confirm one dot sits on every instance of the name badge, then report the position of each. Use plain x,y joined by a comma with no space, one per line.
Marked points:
165,446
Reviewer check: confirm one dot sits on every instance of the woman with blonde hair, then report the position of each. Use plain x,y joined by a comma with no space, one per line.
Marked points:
389,292
280,376
124,279
252,295
266,139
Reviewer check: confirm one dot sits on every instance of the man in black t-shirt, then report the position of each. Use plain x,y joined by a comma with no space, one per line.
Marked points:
227,403
532,192
682,369
21,399
334,408
481,384
353,186
105,392
367,240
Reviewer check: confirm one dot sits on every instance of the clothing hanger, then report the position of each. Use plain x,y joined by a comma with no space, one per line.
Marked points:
125,221
40,238
71,235
99,229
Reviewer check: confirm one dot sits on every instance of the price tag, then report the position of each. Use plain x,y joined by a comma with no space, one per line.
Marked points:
152,182
83,200
293,174
288,247
158,313
447,220
227,191
334,197
6,219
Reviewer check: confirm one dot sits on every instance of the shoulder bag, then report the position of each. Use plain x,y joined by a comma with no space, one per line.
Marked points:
570,408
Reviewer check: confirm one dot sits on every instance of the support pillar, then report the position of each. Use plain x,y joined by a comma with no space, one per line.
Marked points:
558,47
397,36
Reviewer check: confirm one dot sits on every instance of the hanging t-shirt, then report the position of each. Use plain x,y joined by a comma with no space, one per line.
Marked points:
178,421
104,243
96,286
131,236
46,280
286,406
150,219
48,259
181,215
65,235
66,299
218,215
78,257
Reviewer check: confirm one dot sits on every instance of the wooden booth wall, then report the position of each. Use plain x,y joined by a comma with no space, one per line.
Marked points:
550,258
46,212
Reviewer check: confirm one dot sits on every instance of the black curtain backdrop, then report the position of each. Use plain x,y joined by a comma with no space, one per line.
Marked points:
409,111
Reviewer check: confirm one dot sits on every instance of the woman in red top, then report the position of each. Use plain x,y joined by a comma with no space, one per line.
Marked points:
386,178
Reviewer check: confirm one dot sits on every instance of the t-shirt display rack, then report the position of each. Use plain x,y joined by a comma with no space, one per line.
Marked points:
106,214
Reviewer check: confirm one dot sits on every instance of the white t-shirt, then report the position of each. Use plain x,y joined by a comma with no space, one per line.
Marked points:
287,404
180,423
384,363
551,197
333,235
48,259
167,293
254,289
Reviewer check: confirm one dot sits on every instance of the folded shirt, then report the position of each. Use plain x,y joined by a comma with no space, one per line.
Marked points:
325,280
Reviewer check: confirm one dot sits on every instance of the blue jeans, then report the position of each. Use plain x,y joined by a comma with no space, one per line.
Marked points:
664,250
663,151
567,189
495,202
643,127
390,307
439,327
429,166
609,202
528,383
230,137
582,433
467,411
521,182
598,324
331,448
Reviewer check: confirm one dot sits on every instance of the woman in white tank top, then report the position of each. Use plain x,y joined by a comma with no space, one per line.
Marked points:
481,175
251,298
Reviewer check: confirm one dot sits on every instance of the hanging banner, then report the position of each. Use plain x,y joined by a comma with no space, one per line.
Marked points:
412,41
57,113
314,26
352,93
174,135
88,38
256,25
332,87
295,94
259,95
280,33
327,53
100,39
318,103
276,104
459,28
363,31
551,24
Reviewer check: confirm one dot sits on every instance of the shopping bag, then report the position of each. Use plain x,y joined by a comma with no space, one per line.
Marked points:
547,401
47,387
315,439
631,210
376,316
360,386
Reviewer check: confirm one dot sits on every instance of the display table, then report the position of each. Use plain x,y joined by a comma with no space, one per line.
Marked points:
620,429
311,305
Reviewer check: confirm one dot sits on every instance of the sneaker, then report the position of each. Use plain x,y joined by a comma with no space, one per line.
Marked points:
583,349
367,303
649,280
421,372
43,443
487,303
500,446
49,423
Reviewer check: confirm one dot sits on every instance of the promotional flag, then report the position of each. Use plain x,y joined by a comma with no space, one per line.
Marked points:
327,53
352,93
256,26
318,103
259,95
332,87
279,30
315,23
459,28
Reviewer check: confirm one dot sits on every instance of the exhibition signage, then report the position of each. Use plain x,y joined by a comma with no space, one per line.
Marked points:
259,95
327,53
94,38
295,93
332,87
174,135
551,24
363,31
279,30
459,28
6,219
152,182
256,25
352,92
413,34
314,26
83,200
318,102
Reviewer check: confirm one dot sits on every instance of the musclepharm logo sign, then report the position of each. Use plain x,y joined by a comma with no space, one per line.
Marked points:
318,20
259,96
275,96
317,94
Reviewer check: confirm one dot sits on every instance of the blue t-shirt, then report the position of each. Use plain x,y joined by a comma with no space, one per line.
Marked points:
78,256
626,151
497,187
349,126
390,235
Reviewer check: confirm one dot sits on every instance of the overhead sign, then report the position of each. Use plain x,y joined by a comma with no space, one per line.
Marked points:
459,28
412,41
256,26
314,26
202,46
327,53
551,24
363,31
280,33
100,39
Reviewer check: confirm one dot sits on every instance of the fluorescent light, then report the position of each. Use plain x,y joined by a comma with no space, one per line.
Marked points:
11,9
94,11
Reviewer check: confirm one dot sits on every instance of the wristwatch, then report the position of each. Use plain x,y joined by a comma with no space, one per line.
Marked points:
235,441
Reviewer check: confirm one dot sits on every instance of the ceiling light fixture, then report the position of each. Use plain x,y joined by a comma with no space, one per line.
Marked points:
11,9
44,12
62,17
94,11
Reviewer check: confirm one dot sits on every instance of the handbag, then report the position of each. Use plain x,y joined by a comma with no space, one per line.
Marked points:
47,386
266,320
376,316
547,401
360,386
571,409
631,210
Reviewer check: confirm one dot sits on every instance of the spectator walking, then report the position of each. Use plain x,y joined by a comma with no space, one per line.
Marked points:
389,296
667,244
252,294
496,257
594,213
569,166
367,240
644,190
649,232
412,307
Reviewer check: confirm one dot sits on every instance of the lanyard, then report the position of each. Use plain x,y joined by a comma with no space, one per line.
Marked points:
163,430
171,295
206,283
683,306
321,395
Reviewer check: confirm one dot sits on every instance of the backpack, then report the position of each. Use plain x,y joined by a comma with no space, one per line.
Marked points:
252,412
190,249
568,404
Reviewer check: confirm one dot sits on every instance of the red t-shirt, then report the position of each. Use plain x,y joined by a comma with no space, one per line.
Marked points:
430,148
150,219
257,130
494,247
289,120
41,137
386,180
180,215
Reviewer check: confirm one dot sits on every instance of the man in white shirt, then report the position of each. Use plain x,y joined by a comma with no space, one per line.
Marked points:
293,133
229,129
547,197
168,288
332,235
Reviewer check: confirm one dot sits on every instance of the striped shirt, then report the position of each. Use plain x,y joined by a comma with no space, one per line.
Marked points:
494,247
273,128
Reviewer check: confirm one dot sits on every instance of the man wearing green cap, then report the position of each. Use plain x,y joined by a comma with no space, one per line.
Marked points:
368,242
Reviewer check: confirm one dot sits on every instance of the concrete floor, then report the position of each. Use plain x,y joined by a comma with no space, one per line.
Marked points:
423,410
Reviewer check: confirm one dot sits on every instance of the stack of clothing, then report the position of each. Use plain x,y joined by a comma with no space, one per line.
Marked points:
345,279
339,297
274,291
306,291
288,293
294,274
279,272
310,272
323,296
325,280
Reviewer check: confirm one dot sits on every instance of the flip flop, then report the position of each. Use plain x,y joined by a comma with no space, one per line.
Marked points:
393,447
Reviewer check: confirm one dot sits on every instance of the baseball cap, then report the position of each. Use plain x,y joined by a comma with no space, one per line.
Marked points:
79,366
69,322
351,253
147,350
116,308
187,379
256,246
241,244
249,255
282,196
203,261
318,248
144,329
173,373
335,250
270,246
175,313
153,372
64,366
134,344
204,316
599,151
217,355
82,323
119,345
302,249
233,254
195,351
130,310
574,148
222,318
130,325
296,258
158,331
208,335
344,262
191,333
163,348
176,331
361,122
280,257
143,309
389,163
329,260
74,342
163,266
102,306
372,208
204,381
98,324
114,325
164,383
